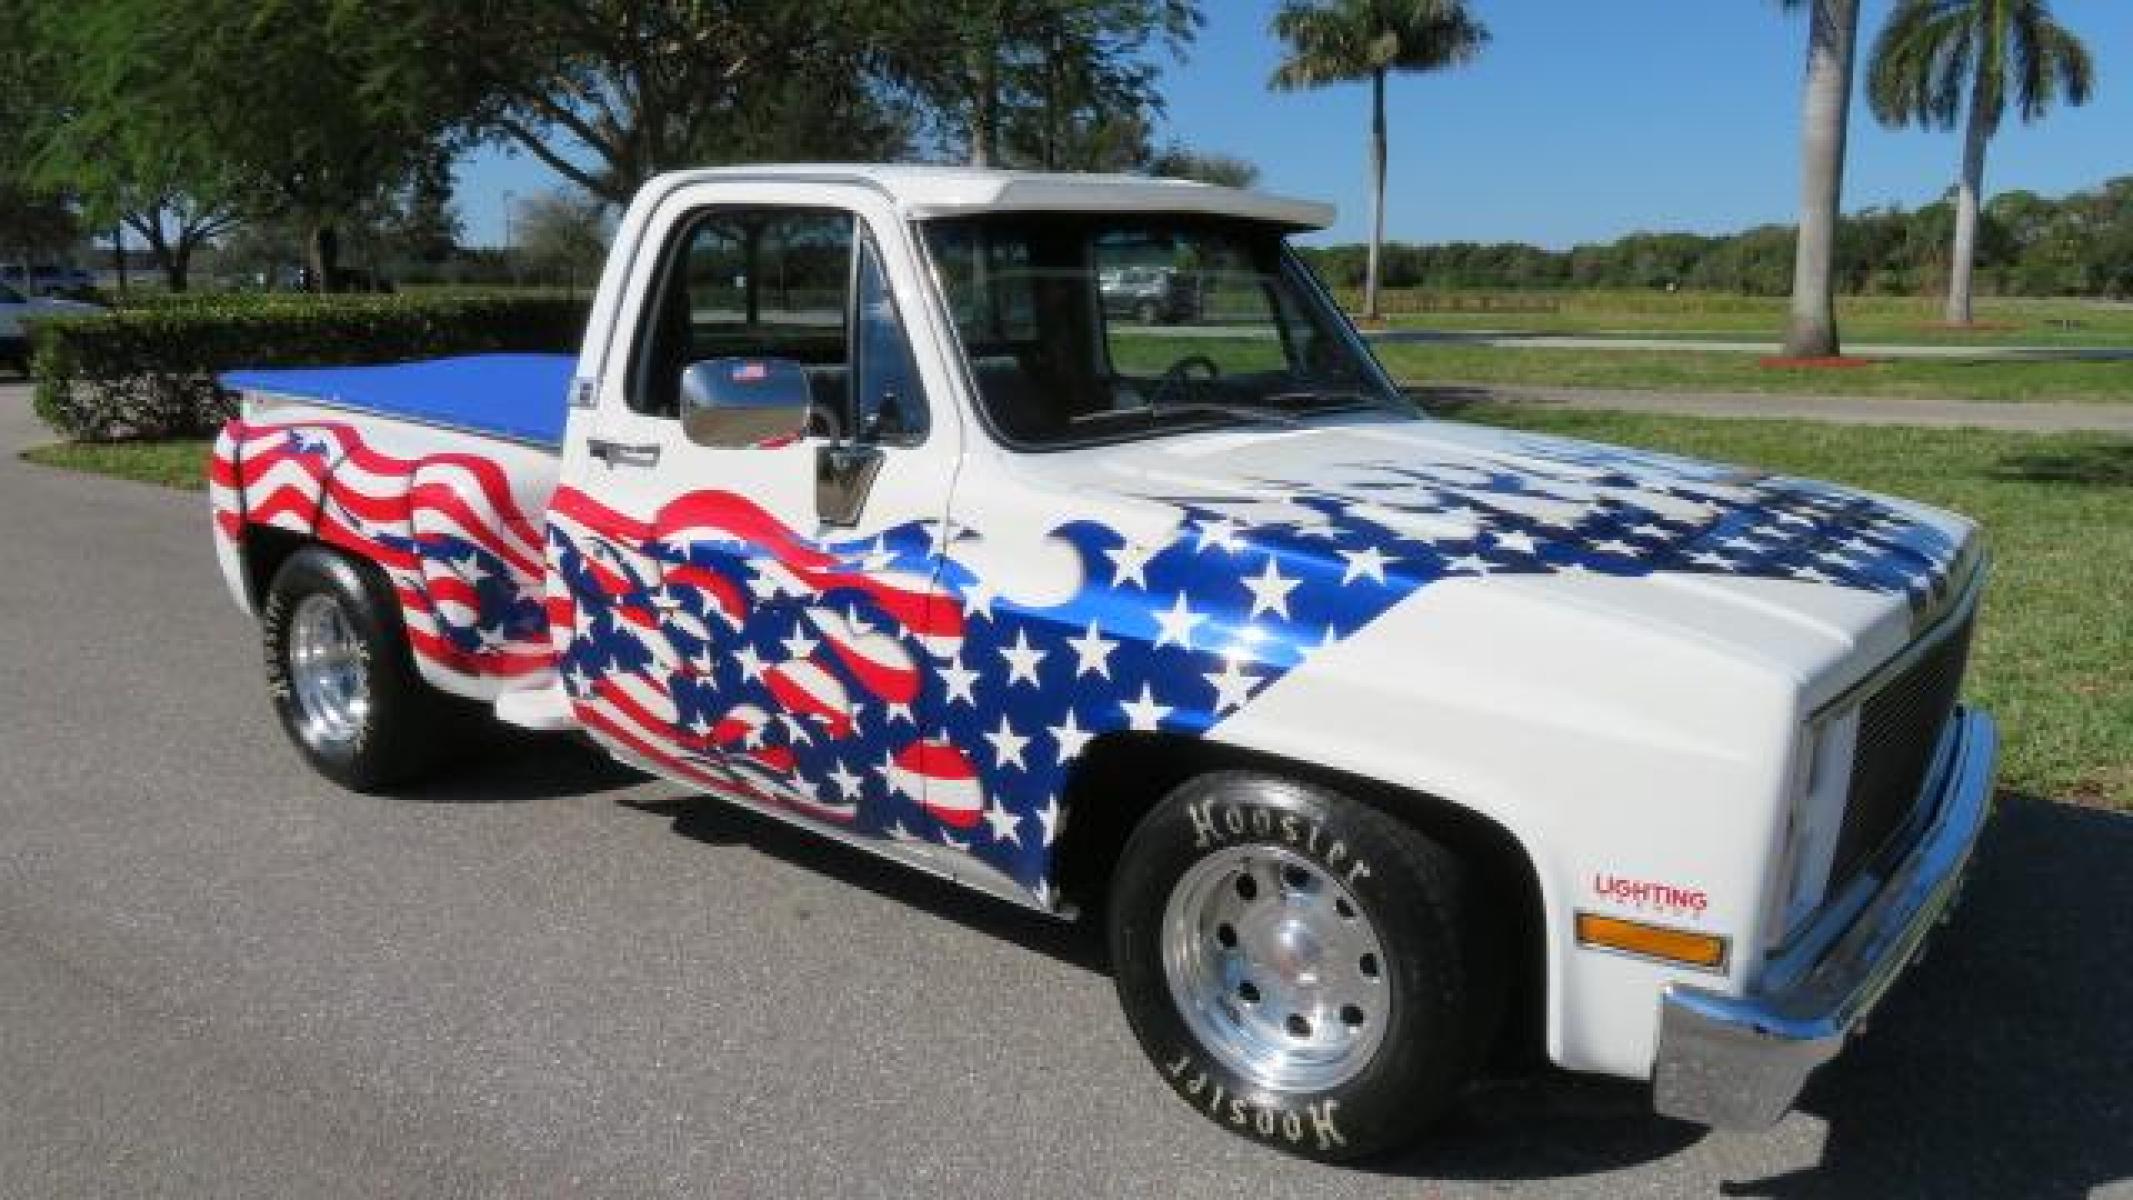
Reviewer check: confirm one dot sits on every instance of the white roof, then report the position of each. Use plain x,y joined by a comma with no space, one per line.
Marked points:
931,191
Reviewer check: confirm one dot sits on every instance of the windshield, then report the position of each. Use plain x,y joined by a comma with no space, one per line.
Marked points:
1088,327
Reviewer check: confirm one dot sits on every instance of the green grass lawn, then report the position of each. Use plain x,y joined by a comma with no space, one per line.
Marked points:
1861,319
1724,371
172,464
2054,649
2053,653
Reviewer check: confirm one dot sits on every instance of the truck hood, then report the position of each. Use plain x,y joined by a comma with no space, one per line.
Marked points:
1801,572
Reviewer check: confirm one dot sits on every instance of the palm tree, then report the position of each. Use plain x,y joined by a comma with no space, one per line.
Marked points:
1832,31
1940,60
1342,41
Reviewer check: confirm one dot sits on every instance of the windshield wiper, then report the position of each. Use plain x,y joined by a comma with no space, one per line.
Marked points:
1374,400
1241,412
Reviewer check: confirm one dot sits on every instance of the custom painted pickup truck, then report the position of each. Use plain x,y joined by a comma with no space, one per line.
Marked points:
1375,740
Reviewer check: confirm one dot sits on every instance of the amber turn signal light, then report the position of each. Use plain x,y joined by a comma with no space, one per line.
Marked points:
1704,951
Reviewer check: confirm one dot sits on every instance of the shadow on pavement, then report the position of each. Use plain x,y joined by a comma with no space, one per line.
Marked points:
1077,943
2002,1065
498,764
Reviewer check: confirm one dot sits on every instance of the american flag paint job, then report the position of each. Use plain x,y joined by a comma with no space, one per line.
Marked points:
465,563
892,685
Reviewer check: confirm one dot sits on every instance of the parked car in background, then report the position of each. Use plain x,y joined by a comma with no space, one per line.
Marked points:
1150,295
16,310
44,281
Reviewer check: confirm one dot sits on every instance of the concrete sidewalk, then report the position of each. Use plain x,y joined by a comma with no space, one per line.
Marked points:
2038,417
1513,340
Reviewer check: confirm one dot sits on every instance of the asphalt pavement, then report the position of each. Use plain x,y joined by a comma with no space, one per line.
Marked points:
545,976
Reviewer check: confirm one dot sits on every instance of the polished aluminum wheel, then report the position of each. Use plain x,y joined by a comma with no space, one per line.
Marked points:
327,671
1276,968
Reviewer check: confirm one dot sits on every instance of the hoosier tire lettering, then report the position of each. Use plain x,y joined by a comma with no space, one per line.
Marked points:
1273,1123
1216,823
1249,910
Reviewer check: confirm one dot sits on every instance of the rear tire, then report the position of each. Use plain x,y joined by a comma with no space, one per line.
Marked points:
341,675
1299,967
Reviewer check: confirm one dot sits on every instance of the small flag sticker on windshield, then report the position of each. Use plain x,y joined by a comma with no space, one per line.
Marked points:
750,372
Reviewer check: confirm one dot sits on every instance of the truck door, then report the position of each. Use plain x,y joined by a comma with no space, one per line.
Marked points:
758,619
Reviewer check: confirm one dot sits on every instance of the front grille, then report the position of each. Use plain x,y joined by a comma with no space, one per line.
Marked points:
1899,727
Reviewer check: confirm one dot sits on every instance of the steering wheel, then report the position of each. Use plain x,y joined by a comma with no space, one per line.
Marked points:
1178,372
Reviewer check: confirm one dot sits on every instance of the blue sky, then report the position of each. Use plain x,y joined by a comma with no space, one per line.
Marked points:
1583,120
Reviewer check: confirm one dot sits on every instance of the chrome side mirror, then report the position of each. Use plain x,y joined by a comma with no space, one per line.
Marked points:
735,402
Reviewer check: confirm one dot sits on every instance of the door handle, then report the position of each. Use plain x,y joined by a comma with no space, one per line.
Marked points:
623,454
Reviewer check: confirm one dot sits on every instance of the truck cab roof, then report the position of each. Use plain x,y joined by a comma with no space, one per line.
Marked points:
923,191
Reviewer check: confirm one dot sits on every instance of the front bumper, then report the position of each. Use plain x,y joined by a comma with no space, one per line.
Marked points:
1740,1061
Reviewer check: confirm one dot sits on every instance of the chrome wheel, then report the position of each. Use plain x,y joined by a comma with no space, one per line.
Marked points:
1275,968
327,671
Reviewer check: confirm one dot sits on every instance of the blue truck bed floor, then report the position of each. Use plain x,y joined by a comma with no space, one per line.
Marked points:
524,397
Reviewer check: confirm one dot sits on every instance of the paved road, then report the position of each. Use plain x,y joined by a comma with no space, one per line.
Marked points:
545,977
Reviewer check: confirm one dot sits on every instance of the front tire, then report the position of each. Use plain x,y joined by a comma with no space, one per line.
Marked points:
1300,968
341,676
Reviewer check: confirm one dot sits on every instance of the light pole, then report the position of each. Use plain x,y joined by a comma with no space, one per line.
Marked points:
510,255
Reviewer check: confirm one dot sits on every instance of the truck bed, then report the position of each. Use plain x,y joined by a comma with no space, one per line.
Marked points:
522,397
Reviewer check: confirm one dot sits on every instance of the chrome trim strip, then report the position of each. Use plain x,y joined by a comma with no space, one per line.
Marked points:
911,854
1740,1061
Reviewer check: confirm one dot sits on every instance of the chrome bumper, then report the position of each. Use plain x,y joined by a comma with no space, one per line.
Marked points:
1740,1061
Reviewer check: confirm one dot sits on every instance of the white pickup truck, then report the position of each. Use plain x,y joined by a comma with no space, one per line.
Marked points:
1375,739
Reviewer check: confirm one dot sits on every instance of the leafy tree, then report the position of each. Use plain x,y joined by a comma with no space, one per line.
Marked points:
1340,41
128,163
1058,84
1178,161
564,236
1832,35
608,93
1938,62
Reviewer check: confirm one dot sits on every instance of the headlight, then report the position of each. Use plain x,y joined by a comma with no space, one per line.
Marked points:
1817,818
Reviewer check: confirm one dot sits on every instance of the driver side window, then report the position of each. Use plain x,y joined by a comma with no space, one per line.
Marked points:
750,283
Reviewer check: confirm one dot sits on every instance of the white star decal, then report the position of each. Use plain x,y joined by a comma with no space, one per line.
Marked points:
1617,547
795,730
1233,686
1219,534
1022,659
848,784
1070,736
1092,653
1518,541
1270,590
1473,563
960,682
1129,564
1174,627
1006,826
1048,817
978,598
1007,745
470,568
1368,562
1145,714
751,663
799,645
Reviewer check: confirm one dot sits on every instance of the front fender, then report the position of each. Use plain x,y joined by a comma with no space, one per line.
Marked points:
1611,751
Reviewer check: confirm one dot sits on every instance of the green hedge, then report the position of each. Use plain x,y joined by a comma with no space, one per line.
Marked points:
150,373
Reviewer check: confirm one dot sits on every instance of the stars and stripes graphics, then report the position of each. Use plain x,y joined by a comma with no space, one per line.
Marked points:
464,562
903,686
